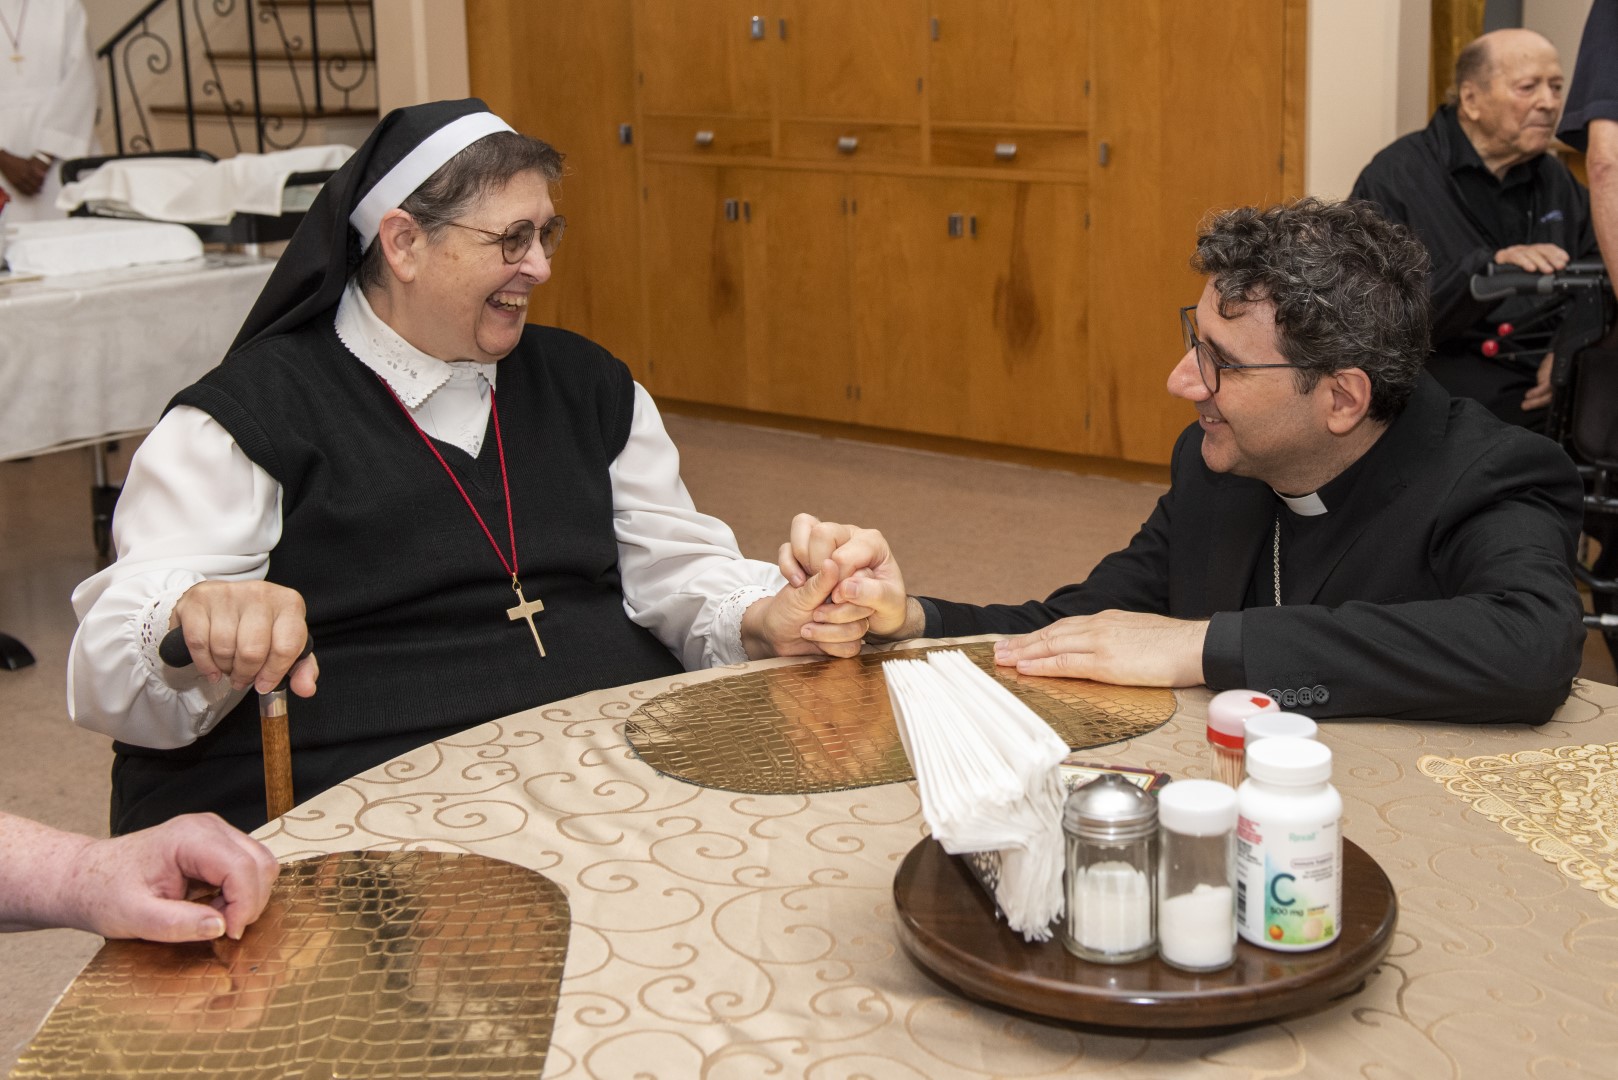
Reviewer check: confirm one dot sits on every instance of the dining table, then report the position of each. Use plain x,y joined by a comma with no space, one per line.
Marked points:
730,933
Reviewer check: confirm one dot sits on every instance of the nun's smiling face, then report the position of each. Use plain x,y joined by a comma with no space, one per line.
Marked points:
470,304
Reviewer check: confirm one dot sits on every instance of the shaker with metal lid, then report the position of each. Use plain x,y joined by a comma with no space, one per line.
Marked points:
1111,830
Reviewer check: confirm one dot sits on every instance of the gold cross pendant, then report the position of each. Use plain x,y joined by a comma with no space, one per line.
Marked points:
526,609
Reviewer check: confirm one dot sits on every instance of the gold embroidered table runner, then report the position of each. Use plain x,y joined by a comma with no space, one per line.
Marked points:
1563,802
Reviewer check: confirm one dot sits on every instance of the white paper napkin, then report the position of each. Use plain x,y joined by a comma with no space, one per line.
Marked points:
986,766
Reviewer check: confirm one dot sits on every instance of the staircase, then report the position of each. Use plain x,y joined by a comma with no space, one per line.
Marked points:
228,76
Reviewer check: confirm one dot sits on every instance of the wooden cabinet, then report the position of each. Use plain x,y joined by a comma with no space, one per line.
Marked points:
742,308
693,56
996,62
695,279
851,59
969,309
968,218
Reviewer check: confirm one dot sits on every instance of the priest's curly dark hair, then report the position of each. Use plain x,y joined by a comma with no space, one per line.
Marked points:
483,167
1349,289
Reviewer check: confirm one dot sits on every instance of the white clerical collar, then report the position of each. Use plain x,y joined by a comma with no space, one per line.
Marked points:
1309,505
411,373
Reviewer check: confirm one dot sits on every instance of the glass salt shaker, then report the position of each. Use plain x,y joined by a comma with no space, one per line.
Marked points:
1111,830
1196,875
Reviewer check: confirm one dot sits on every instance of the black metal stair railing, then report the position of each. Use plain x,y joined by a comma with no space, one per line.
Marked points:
141,66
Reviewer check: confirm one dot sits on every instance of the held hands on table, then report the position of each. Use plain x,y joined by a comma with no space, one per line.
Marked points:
1127,648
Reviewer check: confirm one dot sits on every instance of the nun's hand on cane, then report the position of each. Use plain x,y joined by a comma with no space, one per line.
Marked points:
248,631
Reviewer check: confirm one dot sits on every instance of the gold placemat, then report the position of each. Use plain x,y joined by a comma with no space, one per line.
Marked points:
1562,802
364,964
829,726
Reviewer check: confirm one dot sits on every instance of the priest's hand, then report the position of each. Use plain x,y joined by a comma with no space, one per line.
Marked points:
798,620
27,175
248,631
870,575
1126,648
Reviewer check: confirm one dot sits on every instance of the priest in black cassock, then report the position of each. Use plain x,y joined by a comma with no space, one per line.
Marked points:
471,515
1338,532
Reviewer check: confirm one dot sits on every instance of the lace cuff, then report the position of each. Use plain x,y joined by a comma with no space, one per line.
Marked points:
725,636
153,622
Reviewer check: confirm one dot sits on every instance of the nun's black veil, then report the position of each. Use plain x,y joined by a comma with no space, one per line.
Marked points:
314,269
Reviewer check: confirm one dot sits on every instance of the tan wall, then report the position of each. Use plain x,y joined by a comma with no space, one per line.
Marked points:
1367,84
420,51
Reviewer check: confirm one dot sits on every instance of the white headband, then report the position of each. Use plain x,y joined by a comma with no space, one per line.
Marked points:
417,166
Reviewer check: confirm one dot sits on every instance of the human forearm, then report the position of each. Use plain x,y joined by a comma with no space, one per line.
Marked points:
1602,164
34,861
136,885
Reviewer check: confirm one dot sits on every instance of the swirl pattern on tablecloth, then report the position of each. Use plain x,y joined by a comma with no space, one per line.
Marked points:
728,935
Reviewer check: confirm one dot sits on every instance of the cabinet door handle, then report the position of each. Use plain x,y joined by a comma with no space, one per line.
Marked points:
626,134
847,144
756,27
782,26
1005,151
957,226
732,209
704,138
747,211
1103,154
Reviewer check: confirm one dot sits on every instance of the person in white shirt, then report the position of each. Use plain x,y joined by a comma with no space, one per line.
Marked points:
47,101
470,515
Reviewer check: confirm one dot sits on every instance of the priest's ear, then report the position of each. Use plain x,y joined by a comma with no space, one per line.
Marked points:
1347,399
401,239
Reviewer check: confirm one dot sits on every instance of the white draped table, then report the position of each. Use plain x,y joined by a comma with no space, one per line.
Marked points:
89,357
726,936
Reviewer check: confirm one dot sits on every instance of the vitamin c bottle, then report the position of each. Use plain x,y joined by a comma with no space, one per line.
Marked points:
1289,848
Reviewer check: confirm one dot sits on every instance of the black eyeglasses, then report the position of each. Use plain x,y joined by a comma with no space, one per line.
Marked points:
1209,362
519,237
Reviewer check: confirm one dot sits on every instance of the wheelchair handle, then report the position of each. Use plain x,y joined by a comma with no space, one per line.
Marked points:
1497,284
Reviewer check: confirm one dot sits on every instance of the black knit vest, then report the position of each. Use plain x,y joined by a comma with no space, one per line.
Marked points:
406,599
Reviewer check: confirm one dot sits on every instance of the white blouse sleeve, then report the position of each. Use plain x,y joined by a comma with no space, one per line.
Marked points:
194,507
684,578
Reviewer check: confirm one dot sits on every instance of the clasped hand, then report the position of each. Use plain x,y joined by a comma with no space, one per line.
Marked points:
1127,648
248,631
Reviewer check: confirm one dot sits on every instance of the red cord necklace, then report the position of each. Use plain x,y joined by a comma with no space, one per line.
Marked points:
526,608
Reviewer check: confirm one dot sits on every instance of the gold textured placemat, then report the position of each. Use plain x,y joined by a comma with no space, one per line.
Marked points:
829,726
364,964
1562,802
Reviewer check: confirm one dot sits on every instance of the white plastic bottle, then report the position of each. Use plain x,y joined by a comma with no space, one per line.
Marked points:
1289,847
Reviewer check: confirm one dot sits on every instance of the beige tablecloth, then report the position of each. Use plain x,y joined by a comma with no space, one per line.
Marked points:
729,936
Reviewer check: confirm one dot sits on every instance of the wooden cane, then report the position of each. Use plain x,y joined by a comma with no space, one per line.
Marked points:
272,719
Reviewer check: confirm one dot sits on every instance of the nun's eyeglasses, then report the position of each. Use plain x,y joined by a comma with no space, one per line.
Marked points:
519,237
